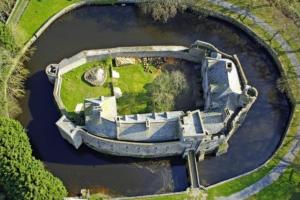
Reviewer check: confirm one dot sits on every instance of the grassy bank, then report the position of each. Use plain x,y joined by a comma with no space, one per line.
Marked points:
286,187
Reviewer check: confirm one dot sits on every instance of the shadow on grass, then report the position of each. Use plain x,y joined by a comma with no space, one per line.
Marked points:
134,103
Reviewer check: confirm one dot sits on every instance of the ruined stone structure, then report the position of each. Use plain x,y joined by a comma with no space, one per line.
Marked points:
227,99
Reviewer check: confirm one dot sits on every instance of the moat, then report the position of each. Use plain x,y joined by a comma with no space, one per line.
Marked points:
94,27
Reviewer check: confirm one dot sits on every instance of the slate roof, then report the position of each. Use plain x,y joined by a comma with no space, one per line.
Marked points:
224,84
225,89
149,127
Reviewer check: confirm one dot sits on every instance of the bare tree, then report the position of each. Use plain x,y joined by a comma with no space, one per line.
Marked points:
162,10
5,9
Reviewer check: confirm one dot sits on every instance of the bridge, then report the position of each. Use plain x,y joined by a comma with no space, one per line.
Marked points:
193,169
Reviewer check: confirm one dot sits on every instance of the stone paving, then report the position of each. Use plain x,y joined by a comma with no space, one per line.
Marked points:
295,148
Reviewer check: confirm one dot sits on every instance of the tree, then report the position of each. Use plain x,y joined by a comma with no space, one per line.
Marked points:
11,58
162,10
165,89
21,175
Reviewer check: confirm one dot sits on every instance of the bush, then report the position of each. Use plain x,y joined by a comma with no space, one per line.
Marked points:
21,175
162,10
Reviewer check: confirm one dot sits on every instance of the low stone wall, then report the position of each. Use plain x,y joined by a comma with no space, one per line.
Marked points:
132,149
153,196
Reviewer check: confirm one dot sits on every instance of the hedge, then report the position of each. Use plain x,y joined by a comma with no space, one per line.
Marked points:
21,175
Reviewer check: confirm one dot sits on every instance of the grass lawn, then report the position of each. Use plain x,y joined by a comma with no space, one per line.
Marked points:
132,82
74,89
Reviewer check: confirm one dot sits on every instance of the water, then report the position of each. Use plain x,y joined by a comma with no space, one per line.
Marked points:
94,27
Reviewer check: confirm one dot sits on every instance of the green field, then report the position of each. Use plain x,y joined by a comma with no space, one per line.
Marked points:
132,82
74,89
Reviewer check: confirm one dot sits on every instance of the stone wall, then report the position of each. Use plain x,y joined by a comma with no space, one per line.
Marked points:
132,149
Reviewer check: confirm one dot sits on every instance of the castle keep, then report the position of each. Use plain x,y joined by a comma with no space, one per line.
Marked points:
227,98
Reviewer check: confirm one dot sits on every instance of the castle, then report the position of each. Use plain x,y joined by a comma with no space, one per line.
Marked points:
227,98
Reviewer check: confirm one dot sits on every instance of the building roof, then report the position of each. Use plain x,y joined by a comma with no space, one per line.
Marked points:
149,127
150,131
224,83
192,124
100,115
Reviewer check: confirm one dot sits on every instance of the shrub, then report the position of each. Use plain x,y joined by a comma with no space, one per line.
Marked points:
162,10
21,175
165,89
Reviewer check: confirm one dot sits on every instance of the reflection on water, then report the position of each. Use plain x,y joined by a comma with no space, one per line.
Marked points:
110,26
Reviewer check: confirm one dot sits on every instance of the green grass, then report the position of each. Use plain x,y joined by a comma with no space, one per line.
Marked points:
74,89
38,12
132,82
